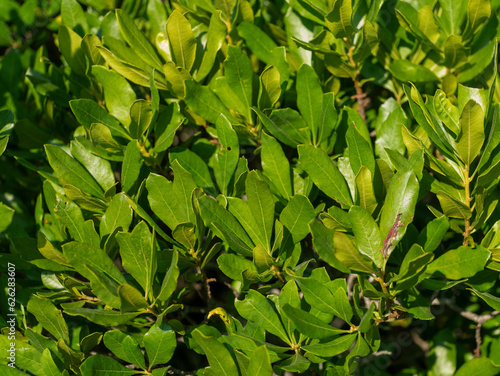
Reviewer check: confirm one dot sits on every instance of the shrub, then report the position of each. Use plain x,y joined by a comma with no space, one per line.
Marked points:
249,187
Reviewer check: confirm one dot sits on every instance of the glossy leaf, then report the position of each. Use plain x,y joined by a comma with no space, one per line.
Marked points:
227,154
138,252
49,316
471,138
308,101
462,262
182,40
160,342
257,308
324,173
260,363
124,347
296,217
261,205
367,234
218,355
103,365
171,201
310,325
118,93
137,40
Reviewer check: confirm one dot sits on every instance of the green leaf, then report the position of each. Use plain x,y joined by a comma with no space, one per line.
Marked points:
171,202
205,103
73,16
405,71
71,216
401,198
131,299
101,316
462,262
324,174
478,11
310,325
322,238
99,168
219,219
184,233
455,54
471,138
257,308
317,295
270,88
127,70
182,40
367,234
69,170
478,367
49,316
389,130
195,165
88,112
491,300
260,363
443,353
169,283
160,343
257,40
216,36
339,20
275,165
141,115
100,365
447,112
412,267
70,47
118,214
432,235
331,348
124,347
295,364
131,167
118,93
227,154
235,87
137,40
233,265
219,358
48,365
275,129
168,122
296,217
138,252
453,208
309,99
349,256
261,205
98,268
453,15
364,188
427,25
49,251
241,211
6,216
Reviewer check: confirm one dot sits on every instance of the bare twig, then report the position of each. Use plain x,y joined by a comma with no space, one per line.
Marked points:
478,319
419,341
351,278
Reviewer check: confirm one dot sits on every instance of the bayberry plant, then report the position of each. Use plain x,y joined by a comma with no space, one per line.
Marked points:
249,187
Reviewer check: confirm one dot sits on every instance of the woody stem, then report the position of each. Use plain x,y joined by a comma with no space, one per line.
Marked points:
467,230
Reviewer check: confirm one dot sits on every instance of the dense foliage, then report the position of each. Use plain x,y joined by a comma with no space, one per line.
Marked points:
236,187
